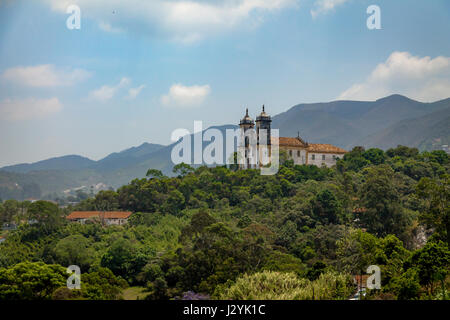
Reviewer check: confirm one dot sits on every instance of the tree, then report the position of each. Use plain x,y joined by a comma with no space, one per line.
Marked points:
199,221
47,215
124,259
356,251
182,169
390,256
385,214
436,211
159,289
353,160
153,173
406,286
317,269
106,201
175,202
31,281
74,250
402,151
432,263
326,208
8,210
375,156
102,284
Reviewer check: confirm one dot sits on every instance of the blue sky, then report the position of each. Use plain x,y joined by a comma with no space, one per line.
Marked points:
137,70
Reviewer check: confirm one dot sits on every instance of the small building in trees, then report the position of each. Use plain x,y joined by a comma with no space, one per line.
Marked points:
104,217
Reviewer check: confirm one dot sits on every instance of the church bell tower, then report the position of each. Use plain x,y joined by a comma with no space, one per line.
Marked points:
263,127
246,149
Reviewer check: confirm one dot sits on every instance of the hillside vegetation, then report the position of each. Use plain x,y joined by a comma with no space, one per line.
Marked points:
206,232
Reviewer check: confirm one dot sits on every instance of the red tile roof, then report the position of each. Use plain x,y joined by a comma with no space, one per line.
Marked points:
289,142
99,214
324,148
311,147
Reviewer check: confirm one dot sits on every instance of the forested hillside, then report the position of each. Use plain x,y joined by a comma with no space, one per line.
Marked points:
234,234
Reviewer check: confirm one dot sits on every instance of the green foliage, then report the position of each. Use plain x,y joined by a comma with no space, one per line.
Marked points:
407,285
8,210
356,251
106,201
102,285
182,169
153,173
74,250
31,281
385,214
47,215
326,208
402,151
270,285
236,233
125,259
353,161
432,263
436,205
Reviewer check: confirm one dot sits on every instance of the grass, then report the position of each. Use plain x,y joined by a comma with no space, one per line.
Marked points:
135,293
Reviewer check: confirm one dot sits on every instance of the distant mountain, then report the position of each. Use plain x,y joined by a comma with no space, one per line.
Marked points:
62,173
127,157
72,162
425,132
160,159
350,123
384,123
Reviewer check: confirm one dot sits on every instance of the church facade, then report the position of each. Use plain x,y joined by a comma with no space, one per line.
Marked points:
257,143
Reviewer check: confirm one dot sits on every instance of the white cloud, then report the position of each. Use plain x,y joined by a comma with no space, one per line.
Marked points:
324,6
46,75
185,96
106,93
181,20
108,28
423,79
31,108
134,92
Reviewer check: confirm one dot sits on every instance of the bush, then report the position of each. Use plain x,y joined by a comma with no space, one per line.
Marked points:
270,285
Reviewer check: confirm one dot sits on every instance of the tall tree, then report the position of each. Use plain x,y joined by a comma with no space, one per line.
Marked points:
436,211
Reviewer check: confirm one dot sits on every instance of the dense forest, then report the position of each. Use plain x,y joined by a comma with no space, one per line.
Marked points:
223,233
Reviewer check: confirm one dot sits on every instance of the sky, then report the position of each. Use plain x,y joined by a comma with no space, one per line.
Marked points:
137,70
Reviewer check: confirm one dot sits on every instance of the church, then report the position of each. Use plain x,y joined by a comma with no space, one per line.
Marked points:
297,149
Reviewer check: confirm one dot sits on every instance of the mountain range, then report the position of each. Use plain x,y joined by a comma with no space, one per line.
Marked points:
385,123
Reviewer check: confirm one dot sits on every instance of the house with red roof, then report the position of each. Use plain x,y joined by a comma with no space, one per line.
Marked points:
104,217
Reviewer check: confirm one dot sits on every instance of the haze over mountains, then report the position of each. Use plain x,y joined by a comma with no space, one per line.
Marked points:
371,124
384,123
